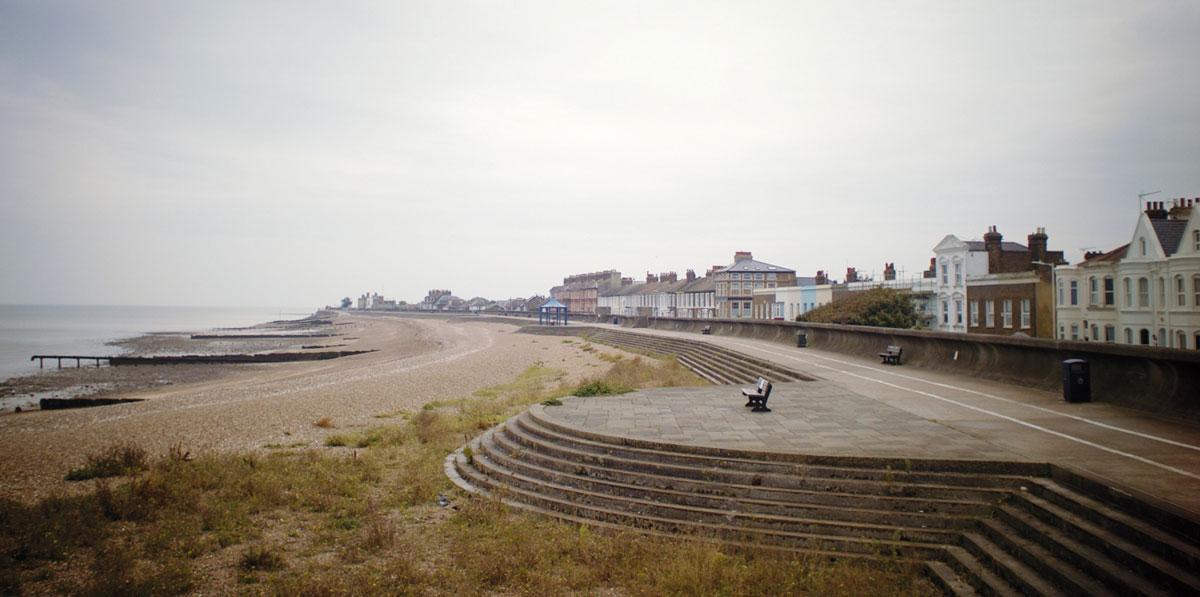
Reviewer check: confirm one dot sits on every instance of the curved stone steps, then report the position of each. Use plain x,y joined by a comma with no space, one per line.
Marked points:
733,367
496,450
979,527
532,424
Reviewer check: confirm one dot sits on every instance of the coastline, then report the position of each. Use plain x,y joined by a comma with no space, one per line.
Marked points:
257,407
21,393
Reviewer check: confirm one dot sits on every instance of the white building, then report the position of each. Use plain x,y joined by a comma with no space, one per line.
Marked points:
1147,292
955,261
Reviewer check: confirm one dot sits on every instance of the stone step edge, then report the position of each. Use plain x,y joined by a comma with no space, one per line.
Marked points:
997,492
564,442
867,543
648,501
713,352
960,466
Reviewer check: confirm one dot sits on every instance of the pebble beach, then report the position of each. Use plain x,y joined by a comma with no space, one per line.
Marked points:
417,360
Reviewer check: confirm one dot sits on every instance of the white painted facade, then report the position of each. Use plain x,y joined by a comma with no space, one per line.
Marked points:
955,261
1155,298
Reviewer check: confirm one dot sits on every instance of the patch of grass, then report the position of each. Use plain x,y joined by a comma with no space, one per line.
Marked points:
360,439
262,558
552,402
323,423
368,524
113,461
599,387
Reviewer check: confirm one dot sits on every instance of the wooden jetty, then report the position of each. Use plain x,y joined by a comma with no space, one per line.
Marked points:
41,359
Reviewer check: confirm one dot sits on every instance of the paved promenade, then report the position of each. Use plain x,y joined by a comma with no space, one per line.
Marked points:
859,407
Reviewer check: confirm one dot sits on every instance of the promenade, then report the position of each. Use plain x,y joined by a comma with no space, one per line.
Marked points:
858,407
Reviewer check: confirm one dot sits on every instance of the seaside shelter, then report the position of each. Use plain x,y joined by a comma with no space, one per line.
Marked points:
552,313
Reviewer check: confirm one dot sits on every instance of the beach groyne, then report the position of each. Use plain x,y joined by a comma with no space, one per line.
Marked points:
270,357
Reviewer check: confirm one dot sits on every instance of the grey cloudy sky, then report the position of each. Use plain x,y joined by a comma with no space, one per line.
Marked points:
246,153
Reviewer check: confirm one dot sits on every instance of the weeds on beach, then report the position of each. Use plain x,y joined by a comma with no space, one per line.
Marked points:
113,461
330,521
323,423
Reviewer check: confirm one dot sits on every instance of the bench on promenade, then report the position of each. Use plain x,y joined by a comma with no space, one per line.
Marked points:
706,330
891,356
757,396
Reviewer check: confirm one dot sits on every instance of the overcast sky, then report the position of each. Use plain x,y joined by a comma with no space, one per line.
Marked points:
245,153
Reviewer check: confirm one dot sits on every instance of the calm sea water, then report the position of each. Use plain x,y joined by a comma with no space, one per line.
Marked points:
26,330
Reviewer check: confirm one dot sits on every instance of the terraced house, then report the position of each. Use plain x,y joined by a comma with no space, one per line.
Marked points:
1146,292
581,292
736,283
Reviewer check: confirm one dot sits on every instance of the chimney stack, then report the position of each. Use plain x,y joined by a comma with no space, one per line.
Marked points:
1155,211
889,271
691,275
626,281
742,256
1181,210
851,275
1037,245
992,243
932,271
821,278
651,278
668,277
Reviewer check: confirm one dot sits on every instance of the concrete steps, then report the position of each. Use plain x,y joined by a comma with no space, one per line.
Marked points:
978,527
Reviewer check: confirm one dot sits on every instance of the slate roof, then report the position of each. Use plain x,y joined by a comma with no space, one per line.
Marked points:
705,284
751,265
978,245
1113,255
1170,233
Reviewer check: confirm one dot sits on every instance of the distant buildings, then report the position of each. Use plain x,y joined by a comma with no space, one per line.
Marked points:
375,302
1146,292
581,292
736,283
994,286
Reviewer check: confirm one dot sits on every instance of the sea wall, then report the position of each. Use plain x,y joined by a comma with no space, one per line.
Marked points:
1160,380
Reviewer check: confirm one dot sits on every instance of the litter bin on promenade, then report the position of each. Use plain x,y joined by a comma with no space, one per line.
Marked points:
1077,380
801,339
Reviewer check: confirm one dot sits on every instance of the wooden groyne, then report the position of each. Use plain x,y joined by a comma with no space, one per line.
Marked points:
256,336
65,403
41,359
201,359
270,357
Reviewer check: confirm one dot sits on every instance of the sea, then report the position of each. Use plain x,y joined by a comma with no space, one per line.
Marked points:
26,330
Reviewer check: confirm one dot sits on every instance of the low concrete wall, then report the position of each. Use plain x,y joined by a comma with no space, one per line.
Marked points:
1161,380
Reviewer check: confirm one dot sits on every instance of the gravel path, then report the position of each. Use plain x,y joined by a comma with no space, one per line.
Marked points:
419,360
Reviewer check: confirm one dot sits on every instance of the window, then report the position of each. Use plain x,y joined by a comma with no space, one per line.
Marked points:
1025,314
1161,339
1197,345
760,276
1110,333
958,274
1062,333
736,309
974,314
1180,340
1108,291
945,274
1093,291
1162,293
1062,297
1006,313
958,311
1196,240
1180,292
1128,336
1075,331
771,276
990,306
1128,292
1095,332
1196,290
1144,337
746,308
1143,292
1074,292
1142,245
945,312
737,276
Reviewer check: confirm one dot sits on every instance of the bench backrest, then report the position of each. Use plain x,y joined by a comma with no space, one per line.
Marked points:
894,349
762,384
766,391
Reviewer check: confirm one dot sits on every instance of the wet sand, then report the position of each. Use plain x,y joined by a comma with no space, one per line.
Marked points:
250,406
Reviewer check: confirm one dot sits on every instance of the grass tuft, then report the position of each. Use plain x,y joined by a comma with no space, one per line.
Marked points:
323,423
113,461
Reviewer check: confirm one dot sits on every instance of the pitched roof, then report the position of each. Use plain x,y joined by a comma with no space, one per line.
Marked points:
978,245
1113,255
1170,233
552,303
751,265
705,284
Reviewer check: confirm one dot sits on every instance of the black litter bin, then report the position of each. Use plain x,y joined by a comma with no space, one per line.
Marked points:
801,339
1077,380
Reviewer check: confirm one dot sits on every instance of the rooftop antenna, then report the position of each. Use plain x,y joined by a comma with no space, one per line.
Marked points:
1142,196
